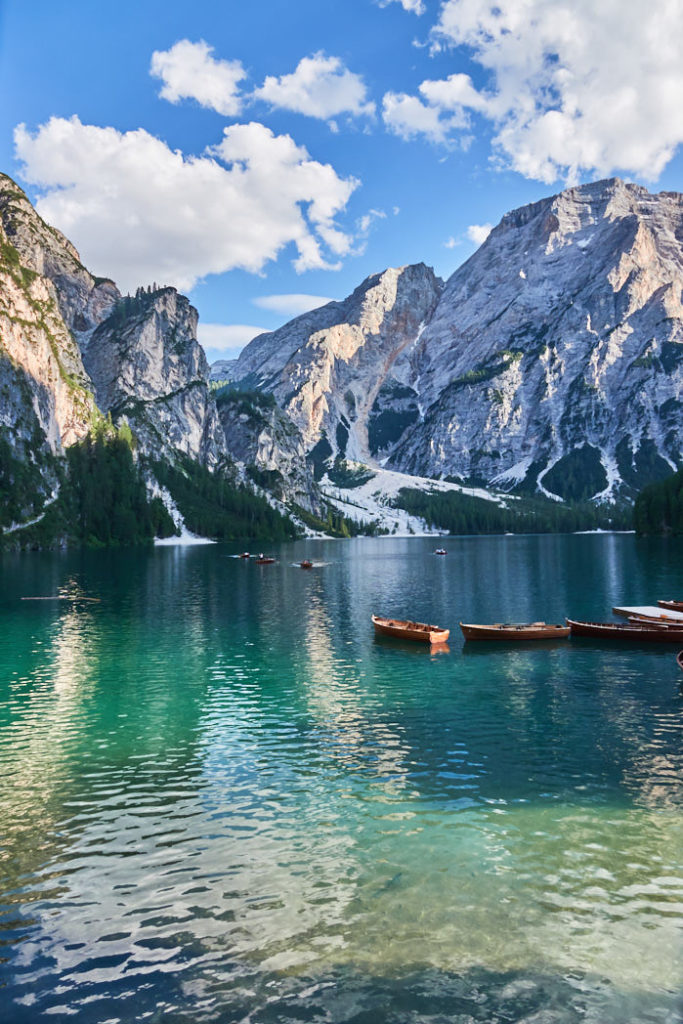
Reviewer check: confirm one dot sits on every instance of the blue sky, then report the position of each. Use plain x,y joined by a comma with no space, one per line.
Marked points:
261,156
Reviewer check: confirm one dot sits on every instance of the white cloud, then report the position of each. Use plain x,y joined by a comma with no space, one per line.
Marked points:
364,223
478,233
320,86
140,212
573,87
451,243
188,71
409,117
292,304
227,338
416,6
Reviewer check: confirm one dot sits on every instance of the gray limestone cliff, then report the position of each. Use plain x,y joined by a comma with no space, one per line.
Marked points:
551,360
342,372
555,356
146,366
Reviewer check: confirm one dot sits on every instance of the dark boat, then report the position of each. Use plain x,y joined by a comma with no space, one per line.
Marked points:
404,629
264,560
440,551
305,564
245,554
646,631
673,606
513,631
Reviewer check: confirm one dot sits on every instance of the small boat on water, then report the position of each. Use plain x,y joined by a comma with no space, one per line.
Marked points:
264,560
405,629
673,606
305,564
440,551
245,554
636,631
514,631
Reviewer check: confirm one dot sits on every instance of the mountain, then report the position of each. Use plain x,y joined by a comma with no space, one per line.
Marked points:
340,371
551,361
82,366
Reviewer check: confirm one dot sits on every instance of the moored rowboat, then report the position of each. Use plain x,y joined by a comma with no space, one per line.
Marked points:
619,631
513,631
673,606
405,629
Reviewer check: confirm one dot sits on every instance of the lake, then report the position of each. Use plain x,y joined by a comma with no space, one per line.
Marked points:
222,799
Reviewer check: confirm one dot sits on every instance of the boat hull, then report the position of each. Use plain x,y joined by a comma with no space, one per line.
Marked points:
514,632
616,631
674,606
403,629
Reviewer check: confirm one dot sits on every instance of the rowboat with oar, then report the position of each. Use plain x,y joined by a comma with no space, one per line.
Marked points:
636,631
405,629
513,631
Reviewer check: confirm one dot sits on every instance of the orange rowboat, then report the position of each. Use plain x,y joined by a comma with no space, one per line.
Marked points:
404,629
514,631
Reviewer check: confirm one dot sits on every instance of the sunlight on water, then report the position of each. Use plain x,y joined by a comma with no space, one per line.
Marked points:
223,799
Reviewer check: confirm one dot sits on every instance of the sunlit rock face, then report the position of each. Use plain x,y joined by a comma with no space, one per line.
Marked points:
327,367
147,366
552,359
46,400
559,344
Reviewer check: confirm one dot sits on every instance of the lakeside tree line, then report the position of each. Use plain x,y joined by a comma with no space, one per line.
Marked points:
659,507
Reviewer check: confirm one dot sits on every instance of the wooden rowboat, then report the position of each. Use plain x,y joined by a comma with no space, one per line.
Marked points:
673,606
513,631
619,631
404,629
264,560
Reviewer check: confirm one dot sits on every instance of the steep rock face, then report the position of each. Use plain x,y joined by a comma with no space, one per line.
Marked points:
83,300
260,435
559,343
45,399
147,366
327,367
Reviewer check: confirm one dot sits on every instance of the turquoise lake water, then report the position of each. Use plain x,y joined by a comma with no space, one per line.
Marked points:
222,799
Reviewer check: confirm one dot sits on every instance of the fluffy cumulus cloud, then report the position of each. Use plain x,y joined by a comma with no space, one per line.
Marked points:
416,6
571,88
188,71
320,86
478,233
292,304
140,211
228,339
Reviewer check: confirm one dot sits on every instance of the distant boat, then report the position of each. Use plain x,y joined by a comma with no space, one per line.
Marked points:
673,606
245,554
264,560
514,631
634,631
305,564
440,551
404,629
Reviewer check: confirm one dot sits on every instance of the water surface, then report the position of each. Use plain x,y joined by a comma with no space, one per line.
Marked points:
222,799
